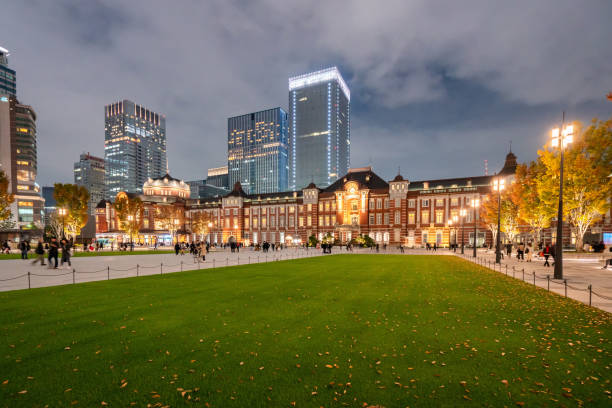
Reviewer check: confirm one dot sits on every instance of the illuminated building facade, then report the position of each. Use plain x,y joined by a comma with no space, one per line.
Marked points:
319,107
19,162
257,145
89,172
8,78
134,146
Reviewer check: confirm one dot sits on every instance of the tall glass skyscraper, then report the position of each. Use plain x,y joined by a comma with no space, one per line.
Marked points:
8,81
134,147
257,146
320,135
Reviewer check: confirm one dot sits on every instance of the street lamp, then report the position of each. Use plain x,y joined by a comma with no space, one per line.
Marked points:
498,185
455,219
450,233
561,138
130,218
475,204
462,214
62,213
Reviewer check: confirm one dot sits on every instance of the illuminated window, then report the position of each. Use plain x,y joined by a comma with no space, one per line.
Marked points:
371,219
255,221
439,217
301,221
425,203
386,203
354,206
386,219
397,217
411,203
246,223
327,220
309,221
454,201
371,203
333,206
379,203
439,202
20,187
320,206
378,219
425,218
321,220
264,222
411,218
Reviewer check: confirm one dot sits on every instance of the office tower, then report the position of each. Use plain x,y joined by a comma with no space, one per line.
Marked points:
257,148
89,172
134,147
18,160
8,85
319,106
50,203
200,189
217,176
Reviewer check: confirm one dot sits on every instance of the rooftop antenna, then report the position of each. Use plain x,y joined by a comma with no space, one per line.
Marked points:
486,167
511,146
398,170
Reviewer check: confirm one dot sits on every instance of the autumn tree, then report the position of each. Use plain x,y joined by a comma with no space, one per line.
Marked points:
73,200
587,186
524,193
488,213
129,212
509,218
199,223
169,218
6,200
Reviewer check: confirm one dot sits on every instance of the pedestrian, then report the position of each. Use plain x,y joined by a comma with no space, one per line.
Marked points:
53,251
40,254
520,253
546,253
66,252
24,250
528,251
177,248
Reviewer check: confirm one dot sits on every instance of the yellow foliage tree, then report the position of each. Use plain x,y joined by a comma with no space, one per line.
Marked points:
199,223
169,218
129,212
72,199
6,200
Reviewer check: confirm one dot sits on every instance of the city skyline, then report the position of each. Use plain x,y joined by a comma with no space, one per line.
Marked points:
447,101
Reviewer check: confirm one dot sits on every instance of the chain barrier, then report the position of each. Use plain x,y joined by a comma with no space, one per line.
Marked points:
16,277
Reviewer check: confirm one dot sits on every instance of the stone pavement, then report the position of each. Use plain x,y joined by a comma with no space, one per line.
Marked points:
579,271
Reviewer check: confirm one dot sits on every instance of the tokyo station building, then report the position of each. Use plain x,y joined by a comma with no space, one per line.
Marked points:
400,211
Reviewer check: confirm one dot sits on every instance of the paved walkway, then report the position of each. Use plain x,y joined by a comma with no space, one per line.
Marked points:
579,272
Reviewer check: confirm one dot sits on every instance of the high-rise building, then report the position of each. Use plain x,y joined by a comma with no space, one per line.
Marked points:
50,204
18,160
257,147
8,84
217,176
134,147
320,136
89,172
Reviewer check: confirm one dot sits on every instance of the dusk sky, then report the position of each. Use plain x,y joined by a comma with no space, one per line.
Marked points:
436,87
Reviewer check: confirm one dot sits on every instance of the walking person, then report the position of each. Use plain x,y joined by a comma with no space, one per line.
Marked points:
66,253
546,253
40,254
53,252
24,250
528,251
520,253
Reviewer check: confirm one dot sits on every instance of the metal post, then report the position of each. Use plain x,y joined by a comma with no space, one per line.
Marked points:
238,261
565,284
198,262
161,268
506,269
523,274
73,277
548,282
559,245
249,259
226,261
590,293
181,266
213,262
462,217
137,268
498,238
29,283
533,278
475,231
108,273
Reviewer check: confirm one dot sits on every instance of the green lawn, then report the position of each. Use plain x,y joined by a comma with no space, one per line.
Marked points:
32,255
343,330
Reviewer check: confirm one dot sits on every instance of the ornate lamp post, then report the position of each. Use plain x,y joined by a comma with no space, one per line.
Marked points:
475,204
130,218
462,214
450,233
561,138
62,213
498,185
209,228
455,219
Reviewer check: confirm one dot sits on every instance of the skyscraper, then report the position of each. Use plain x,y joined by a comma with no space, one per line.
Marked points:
8,84
134,147
18,160
320,137
217,176
257,146
89,172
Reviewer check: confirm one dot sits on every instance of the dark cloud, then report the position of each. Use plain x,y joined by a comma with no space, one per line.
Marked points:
436,88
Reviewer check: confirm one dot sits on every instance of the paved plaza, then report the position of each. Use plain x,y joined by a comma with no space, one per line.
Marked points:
580,270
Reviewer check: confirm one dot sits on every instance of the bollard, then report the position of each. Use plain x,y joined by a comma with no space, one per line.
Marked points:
548,282
108,273
181,266
226,261
533,278
198,262
213,262
161,268
513,272
29,284
565,284
249,259
137,267
73,279
523,274
238,260
506,269
590,294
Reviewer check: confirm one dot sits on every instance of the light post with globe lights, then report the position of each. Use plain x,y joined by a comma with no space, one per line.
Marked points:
498,185
462,214
62,212
455,219
450,234
561,138
475,204
130,218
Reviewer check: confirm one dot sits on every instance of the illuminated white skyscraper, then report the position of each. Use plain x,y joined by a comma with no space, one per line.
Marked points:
319,107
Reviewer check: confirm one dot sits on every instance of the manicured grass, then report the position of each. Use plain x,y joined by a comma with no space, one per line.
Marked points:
79,254
343,330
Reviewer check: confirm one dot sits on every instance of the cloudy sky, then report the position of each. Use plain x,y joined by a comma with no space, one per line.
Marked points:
437,87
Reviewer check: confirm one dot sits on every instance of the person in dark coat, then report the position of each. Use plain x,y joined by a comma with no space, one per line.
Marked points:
53,252
177,248
24,250
40,254
66,252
